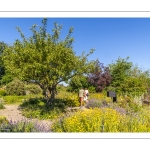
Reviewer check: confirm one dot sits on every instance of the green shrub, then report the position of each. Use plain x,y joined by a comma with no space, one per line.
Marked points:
69,99
16,87
33,89
6,79
2,92
91,89
61,87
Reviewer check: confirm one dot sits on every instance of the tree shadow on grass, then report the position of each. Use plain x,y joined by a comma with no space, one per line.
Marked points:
38,108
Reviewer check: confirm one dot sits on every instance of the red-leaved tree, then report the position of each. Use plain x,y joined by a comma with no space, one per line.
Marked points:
101,77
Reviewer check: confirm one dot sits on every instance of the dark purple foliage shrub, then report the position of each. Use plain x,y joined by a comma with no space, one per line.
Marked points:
101,77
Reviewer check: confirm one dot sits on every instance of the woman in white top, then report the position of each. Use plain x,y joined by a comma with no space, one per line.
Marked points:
86,95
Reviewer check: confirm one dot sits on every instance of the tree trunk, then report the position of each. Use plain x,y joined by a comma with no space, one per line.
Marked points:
52,91
46,95
45,92
49,93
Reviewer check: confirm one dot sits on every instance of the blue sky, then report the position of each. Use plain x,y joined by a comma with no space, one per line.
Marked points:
110,37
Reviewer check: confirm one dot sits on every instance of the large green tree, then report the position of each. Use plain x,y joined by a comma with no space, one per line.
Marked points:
119,71
138,80
45,59
2,67
128,78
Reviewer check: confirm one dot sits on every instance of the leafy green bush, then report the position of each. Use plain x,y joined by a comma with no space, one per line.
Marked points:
2,92
91,89
6,79
77,82
61,87
16,87
33,89
68,99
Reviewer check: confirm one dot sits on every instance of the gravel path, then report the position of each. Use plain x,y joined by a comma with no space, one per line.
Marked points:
12,113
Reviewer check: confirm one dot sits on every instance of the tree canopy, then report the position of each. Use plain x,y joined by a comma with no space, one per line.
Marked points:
45,58
2,67
128,77
100,77
119,71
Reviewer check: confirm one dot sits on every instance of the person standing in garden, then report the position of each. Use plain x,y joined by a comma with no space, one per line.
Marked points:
86,94
81,96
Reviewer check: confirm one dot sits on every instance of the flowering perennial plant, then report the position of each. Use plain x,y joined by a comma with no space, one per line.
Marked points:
103,120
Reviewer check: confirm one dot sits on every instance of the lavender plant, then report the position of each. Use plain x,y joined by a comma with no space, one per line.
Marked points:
24,126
